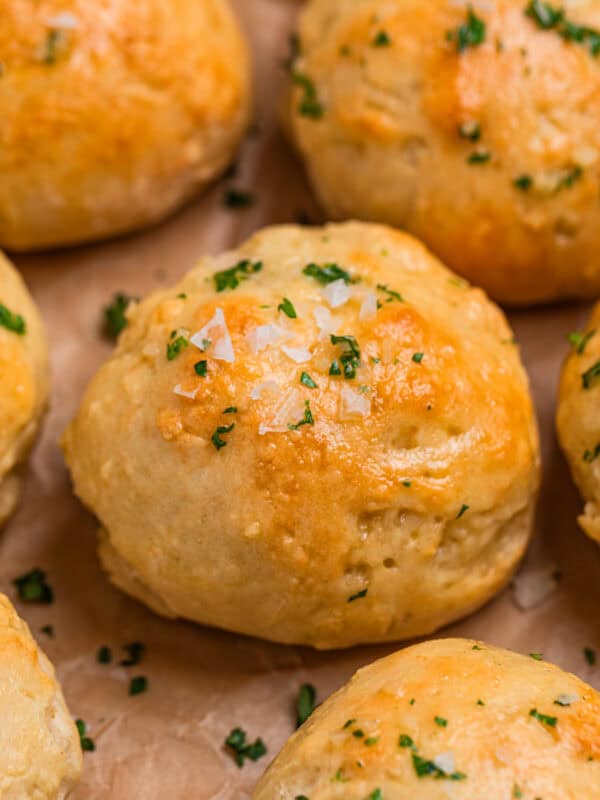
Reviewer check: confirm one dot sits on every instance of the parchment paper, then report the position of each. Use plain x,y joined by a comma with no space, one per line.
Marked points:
167,742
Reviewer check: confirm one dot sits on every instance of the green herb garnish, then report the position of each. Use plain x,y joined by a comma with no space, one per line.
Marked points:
358,595
200,368
234,198
470,34
305,703
381,39
590,655
405,741
327,273
138,685
392,296
463,510
241,749
12,322
579,340
591,455
135,652
523,182
232,277
307,419
287,307
470,131
309,105
176,345
479,157
425,768
33,588
115,317
48,630
418,357
104,655
307,381
350,358
543,718
216,439
87,744
588,378
440,721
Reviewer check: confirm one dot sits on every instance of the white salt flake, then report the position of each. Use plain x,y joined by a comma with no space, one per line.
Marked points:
289,411
265,386
337,293
325,322
298,354
216,333
265,335
368,308
354,404
64,21
182,393
445,762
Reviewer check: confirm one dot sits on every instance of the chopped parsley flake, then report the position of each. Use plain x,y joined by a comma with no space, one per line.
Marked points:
479,157
305,703
571,176
232,277
48,630
241,749
115,318
350,358
470,131
87,744
287,307
230,410
327,273
392,296
543,718
590,655
523,182
591,455
463,509
549,17
376,794
517,792
53,41
12,322
536,656
234,198
339,777
405,741
307,381
579,340
358,595
589,377
138,685
440,721
425,768
216,439
200,368
418,357
382,39
309,105
176,345
307,419
470,34
371,740
104,655
480,702
33,588
135,652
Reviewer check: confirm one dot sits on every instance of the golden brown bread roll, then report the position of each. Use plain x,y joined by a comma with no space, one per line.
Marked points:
23,380
40,755
321,437
113,113
475,126
446,719
578,419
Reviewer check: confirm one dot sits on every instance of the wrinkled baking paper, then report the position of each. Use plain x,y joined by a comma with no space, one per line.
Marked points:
167,742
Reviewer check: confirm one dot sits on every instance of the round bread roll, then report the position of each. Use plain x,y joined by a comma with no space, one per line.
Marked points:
475,126
578,420
322,437
23,380
113,113
40,755
446,719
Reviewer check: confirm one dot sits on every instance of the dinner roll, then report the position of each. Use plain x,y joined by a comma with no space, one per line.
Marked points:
113,113
40,755
322,437
23,380
474,125
578,419
447,719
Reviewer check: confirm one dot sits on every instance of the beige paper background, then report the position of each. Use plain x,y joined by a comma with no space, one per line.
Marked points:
168,742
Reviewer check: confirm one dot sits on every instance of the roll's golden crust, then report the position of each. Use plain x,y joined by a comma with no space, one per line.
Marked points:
40,755
490,155
578,420
23,381
113,113
408,487
446,719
